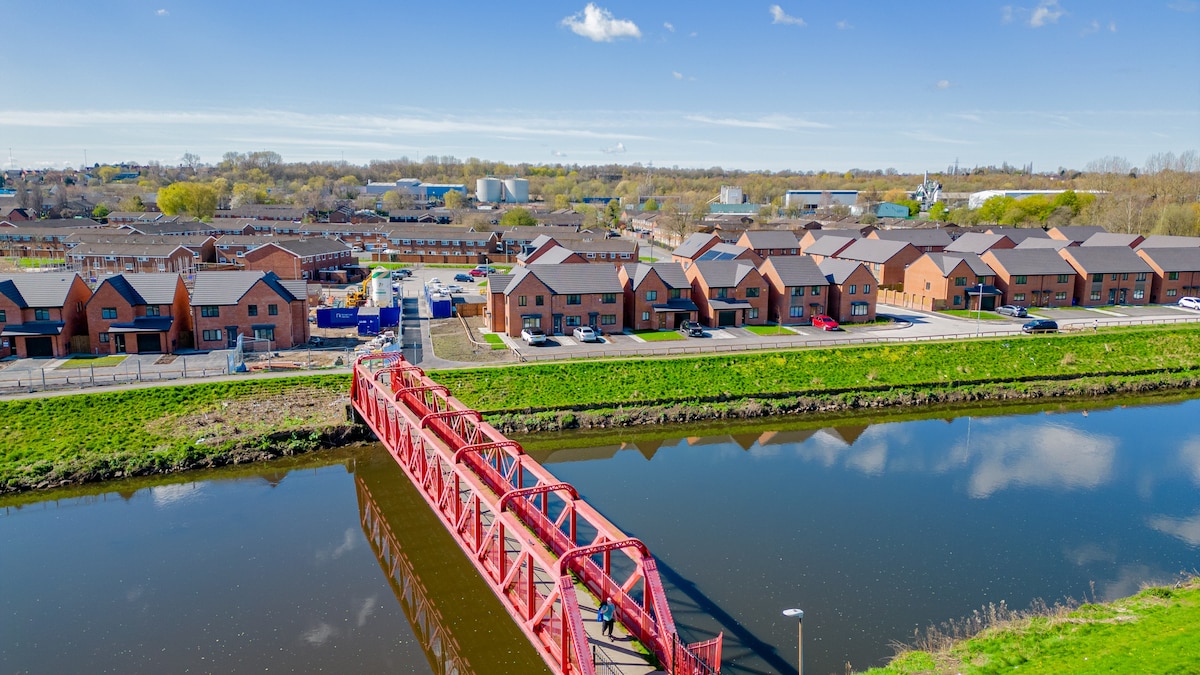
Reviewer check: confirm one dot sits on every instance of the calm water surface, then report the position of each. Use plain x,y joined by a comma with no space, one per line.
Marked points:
873,529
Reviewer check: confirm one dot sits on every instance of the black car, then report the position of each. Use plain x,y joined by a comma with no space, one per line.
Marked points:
691,329
1012,310
1040,326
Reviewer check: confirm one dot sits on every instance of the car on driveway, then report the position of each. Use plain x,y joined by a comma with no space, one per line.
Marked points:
691,329
825,322
534,336
1040,326
585,334
1012,310
463,276
1190,302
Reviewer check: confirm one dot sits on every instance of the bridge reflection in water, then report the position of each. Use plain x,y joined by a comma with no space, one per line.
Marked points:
544,552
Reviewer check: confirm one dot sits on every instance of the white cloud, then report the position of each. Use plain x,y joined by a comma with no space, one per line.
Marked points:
775,122
676,74
1186,6
598,24
1112,26
779,16
558,153
942,84
693,34
668,26
844,25
1059,457
367,609
161,12
1047,11
970,117
1006,14
1186,530
319,635
617,149
1093,27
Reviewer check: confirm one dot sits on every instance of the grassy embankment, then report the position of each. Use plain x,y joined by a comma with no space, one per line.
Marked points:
1151,632
87,437
633,391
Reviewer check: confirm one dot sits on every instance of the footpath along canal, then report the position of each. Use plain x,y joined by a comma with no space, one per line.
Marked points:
875,527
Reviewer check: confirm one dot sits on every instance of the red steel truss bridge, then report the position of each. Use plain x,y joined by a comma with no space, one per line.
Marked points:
544,552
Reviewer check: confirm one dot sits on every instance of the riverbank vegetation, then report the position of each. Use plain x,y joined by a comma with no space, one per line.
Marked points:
1153,631
88,437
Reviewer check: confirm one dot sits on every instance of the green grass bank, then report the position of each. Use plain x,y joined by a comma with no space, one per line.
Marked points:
1151,632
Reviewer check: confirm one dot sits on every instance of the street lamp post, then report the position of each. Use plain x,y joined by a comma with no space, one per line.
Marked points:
978,309
799,615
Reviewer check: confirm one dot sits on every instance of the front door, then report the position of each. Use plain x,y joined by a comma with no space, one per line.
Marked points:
1112,296
662,320
1123,292
231,333
557,328
118,340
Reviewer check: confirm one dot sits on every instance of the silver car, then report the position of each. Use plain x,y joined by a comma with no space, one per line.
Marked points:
1012,310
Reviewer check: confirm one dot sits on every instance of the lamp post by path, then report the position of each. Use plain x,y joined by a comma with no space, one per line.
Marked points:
799,615
978,309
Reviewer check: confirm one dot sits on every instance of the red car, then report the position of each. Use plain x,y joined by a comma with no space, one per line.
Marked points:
477,273
824,322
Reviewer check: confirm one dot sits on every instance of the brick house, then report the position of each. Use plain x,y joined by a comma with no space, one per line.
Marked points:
692,247
728,292
1114,239
826,246
255,304
657,296
315,259
1176,273
202,246
886,260
796,289
978,243
557,299
139,313
926,240
99,259
41,313
811,237
766,243
938,281
551,255
1032,277
1108,275
853,293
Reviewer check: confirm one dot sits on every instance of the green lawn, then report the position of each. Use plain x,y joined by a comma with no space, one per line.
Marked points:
649,381
494,340
38,262
972,314
93,361
1151,632
658,335
769,330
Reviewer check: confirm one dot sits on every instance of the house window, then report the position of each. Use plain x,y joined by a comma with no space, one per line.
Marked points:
212,335
752,313
108,312
41,315
852,290
720,292
152,310
1061,295
531,321
651,296
960,281
522,301
1099,277
1141,276
1171,292
958,300
752,292
673,294
1062,278
574,300
573,321
1139,293
645,316
1019,297
103,337
926,285
858,309
210,310
608,298
265,333
1125,276
252,310
1171,276
273,310
3,316
866,289
1095,295
797,291
816,290
796,312
608,319
539,300
1113,277
1020,279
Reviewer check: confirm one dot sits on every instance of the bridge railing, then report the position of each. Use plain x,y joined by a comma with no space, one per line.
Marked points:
491,496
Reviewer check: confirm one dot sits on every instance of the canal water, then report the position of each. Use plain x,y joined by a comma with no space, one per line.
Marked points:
874,526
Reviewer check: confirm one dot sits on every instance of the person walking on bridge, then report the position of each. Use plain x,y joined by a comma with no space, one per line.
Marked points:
607,615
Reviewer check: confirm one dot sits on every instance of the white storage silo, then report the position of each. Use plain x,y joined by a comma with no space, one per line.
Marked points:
381,288
488,190
516,190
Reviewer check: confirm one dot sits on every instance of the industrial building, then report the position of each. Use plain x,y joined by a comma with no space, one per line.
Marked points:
977,199
810,200
415,188
491,190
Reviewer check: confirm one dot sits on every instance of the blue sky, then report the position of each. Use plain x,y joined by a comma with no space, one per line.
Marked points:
796,85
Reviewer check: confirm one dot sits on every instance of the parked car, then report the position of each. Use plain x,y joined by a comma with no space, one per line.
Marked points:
1012,310
1190,302
1040,326
691,329
401,273
585,334
486,269
477,273
463,276
454,288
533,336
433,281
825,322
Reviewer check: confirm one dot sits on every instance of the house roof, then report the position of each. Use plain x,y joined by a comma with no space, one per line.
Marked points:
671,273
552,256
1077,233
176,227
829,245
798,270
916,237
1174,259
145,289
1169,241
1049,244
47,289
117,247
227,288
57,223
873,250
310,247
692,246
974,242
1031,261
723,251
570,279
1107,259
1112,239
723,273
1019,234
948,261
837,271
761,239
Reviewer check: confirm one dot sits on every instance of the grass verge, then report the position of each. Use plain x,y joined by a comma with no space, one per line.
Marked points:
93,361
658,335
972,314
494,340
769,330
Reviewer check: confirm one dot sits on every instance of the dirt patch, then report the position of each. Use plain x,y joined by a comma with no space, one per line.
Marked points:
165,359
451,342
301,410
